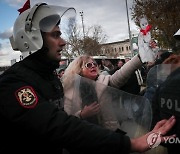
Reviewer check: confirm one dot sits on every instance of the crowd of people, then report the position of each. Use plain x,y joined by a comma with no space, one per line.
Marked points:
36,111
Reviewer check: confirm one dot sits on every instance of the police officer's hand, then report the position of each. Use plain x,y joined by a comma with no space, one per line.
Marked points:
90,110
162,127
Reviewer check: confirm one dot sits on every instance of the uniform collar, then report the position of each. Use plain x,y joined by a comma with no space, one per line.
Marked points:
40,63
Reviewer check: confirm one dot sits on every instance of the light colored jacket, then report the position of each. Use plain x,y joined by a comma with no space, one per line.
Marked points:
118,79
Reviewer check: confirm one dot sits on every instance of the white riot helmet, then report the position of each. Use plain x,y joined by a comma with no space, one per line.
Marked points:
30,23
177,35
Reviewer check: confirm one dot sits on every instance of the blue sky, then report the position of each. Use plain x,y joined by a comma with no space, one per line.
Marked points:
8,15
110,14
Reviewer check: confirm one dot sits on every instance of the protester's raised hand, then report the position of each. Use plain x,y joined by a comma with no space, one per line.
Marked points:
153,44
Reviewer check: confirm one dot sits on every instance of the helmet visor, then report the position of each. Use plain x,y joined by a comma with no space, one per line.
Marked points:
51,15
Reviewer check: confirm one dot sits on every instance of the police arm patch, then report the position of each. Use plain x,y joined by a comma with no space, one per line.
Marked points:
27,97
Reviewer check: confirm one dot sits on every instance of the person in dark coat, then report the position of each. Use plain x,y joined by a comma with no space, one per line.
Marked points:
31,109
167,103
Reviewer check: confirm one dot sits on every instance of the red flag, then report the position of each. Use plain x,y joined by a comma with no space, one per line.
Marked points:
25,7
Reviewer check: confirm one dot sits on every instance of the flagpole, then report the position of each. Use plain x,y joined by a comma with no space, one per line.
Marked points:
130,38
82,19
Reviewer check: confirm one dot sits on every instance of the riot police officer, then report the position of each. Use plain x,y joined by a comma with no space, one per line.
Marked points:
167,100
31,114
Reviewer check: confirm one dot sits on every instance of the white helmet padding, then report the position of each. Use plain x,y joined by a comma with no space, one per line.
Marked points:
29,25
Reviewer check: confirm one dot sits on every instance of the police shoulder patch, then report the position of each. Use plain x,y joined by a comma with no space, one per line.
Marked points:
27,97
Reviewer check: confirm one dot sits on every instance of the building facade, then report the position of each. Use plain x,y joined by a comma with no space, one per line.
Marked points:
116,49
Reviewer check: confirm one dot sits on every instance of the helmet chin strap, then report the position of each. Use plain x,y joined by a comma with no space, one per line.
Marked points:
28,24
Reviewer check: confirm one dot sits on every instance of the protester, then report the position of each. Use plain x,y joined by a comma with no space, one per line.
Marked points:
31,117
103,69
92,107
117,66
86,67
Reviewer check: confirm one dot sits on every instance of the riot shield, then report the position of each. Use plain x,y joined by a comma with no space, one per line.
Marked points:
155,77
158,74
118,110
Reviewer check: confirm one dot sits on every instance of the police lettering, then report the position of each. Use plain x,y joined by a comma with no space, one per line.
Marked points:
170,104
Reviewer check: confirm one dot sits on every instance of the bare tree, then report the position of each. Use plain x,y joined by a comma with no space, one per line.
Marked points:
77,44
73,39
93,40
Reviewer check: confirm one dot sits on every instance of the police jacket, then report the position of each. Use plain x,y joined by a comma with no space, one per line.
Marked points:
32,119
167,103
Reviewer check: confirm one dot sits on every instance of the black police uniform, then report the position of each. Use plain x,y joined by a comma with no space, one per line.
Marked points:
167,103
32,119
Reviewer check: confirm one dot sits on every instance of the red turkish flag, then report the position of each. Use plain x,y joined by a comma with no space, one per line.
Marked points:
25,7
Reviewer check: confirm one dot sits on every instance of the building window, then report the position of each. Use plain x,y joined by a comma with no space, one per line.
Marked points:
126,48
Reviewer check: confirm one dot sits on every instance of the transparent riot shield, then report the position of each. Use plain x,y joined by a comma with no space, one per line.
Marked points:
155,77
118,110
158,74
